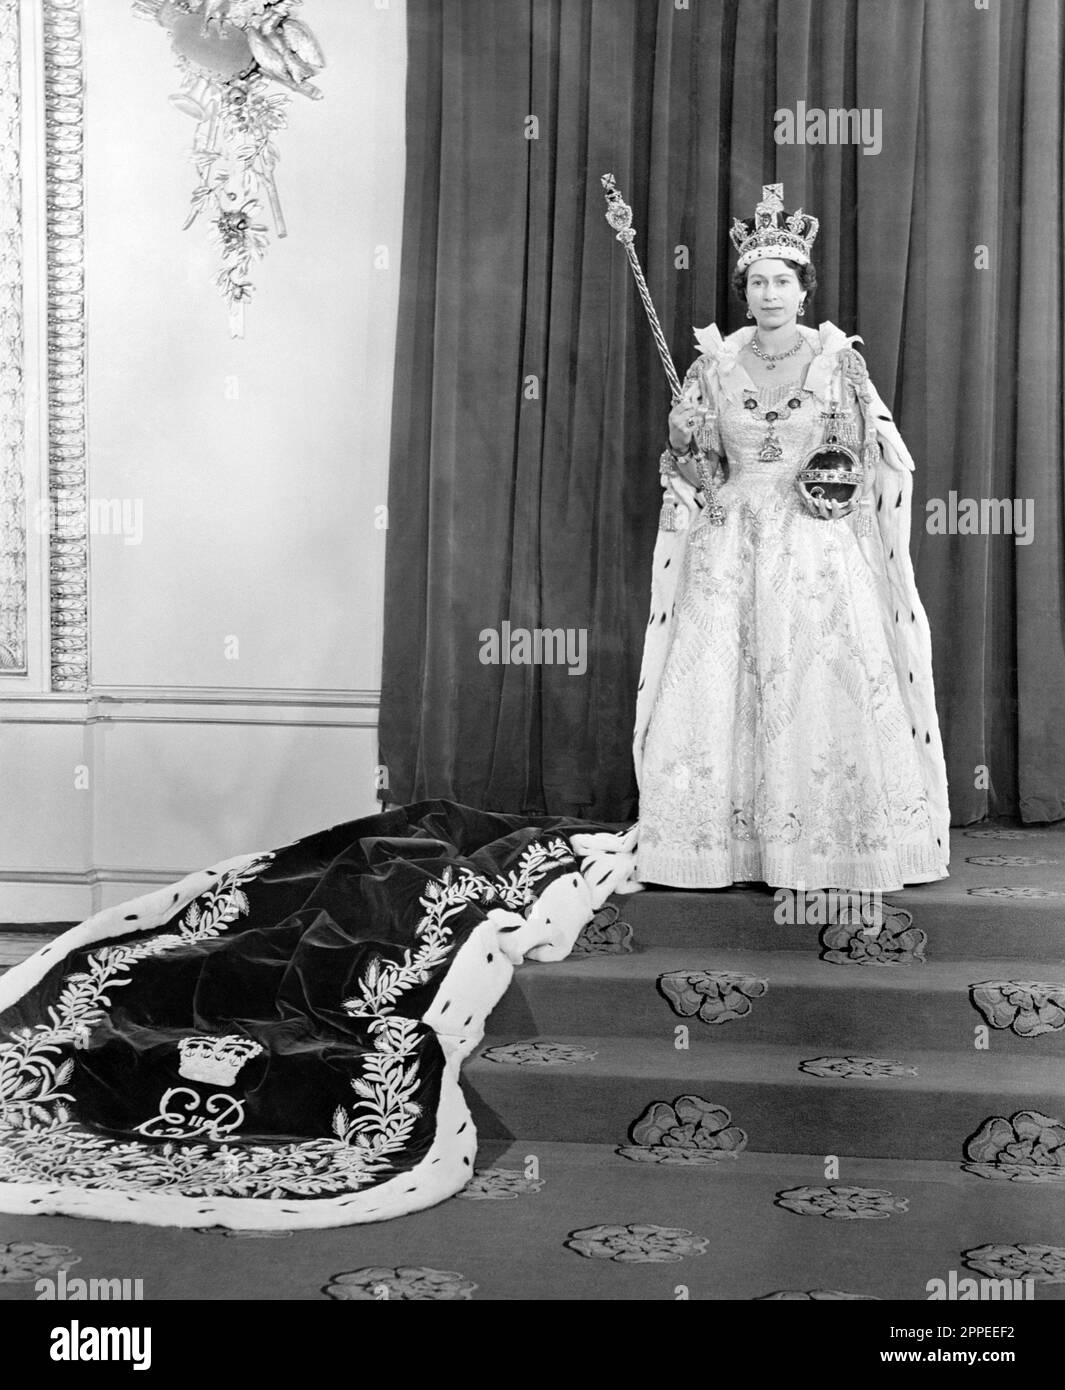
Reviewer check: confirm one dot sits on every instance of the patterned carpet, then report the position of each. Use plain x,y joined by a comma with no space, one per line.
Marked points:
712,1103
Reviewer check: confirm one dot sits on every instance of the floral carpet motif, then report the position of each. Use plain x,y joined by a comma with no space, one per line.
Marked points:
691,1130
405,1283
1006,861
537,1054
499,1185
605,935
1011,893
1028,1147
235,1234
842,1203
636,1244
855,1066
1045,1264
893,940
999,834
1026,1007
715,996
29,1259
816,1295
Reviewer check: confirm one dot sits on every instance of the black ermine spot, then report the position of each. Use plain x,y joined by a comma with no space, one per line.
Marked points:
446,1006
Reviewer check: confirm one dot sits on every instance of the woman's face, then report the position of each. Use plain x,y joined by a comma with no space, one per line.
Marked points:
773,293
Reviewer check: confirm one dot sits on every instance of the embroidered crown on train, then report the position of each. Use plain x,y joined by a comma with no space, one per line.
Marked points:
772,233
215,1061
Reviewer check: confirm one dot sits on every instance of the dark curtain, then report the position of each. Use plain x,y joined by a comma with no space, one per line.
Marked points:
530,403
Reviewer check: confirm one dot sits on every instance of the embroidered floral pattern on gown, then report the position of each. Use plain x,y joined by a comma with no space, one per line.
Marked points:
779,748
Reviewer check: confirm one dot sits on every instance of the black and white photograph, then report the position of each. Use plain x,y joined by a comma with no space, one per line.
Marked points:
532,665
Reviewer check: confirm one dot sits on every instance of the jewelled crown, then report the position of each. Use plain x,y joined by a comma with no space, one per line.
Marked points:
215,1061
773,234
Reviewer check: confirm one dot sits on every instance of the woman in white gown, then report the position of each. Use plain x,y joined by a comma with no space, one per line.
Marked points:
786,728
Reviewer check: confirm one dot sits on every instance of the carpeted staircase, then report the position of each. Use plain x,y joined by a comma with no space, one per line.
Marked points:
720,1105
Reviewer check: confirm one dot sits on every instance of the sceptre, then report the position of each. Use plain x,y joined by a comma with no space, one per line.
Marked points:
619,215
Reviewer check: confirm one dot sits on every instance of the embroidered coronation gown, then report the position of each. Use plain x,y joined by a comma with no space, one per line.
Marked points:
275,1042
780,746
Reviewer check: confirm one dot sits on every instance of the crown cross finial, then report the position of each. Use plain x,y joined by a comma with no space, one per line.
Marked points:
772,234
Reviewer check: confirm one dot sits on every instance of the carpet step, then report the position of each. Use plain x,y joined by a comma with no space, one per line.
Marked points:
809,1002
957,925
782,1109
755,1246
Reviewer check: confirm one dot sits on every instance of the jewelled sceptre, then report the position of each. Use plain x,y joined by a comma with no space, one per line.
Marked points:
619,215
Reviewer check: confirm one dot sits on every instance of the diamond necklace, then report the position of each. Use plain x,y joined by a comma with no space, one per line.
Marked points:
772,358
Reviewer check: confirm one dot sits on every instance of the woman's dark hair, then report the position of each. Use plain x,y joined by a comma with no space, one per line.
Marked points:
806,274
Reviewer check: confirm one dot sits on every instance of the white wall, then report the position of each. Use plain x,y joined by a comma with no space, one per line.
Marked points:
236,643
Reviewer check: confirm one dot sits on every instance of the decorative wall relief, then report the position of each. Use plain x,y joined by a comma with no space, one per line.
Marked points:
64,135
230,54
12,476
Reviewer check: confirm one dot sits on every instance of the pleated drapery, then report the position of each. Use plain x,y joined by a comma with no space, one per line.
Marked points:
530,403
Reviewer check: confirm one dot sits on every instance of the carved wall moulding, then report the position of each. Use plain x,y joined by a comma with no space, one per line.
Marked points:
12,407
64,205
